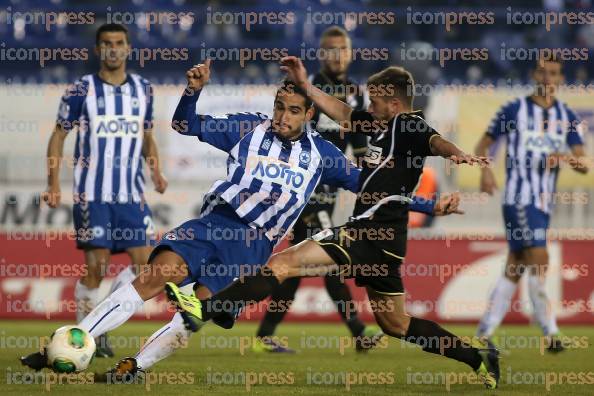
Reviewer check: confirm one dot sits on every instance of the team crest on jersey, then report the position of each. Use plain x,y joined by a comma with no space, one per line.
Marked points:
170,236
100,102
135,103
304,158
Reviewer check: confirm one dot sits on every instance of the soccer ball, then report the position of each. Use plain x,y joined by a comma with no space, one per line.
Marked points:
70,349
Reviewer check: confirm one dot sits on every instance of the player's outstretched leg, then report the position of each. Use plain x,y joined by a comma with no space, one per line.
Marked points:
139,256
118,307
366,337
127,275
433,338
86,292
304,259
160,345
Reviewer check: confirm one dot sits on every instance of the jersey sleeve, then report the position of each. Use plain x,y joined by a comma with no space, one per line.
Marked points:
502,120
71,105
220,132
575,133
416,135
338,170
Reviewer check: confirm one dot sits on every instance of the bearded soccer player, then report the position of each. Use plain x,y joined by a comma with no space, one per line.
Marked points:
332,78
400,141
541,134
112,112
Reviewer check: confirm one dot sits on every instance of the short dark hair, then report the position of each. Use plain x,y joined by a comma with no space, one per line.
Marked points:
111,27
334,31
290,88
393,81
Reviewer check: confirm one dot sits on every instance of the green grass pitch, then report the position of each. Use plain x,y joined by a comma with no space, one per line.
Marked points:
217,362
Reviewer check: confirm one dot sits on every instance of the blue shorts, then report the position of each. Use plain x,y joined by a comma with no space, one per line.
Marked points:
525,226
114,226
217,247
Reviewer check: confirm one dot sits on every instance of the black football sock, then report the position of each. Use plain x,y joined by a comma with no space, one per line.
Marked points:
435,339
240,293
283,297
341,295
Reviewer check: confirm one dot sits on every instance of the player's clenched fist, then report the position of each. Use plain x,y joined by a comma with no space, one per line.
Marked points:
295,70
198,75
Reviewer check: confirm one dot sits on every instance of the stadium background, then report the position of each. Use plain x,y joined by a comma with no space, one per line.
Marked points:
461,256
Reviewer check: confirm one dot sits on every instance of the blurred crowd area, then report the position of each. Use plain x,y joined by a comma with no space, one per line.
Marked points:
197,26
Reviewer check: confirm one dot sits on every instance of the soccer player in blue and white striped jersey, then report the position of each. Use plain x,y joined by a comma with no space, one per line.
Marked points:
541,133
112,113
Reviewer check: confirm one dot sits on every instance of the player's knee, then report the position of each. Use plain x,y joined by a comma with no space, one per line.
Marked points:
394,325
283,265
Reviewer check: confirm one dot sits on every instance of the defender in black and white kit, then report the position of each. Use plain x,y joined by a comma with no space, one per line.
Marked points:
332,78
372,246
377,231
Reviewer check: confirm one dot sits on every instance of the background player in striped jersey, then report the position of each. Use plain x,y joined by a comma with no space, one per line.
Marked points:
113,113
317,215
541,134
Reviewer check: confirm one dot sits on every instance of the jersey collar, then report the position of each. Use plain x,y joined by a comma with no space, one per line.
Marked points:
126,81
304,135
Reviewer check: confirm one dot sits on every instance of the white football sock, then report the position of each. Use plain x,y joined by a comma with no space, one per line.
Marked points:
86,300
116,309
126,275
164,342
499,303
543,313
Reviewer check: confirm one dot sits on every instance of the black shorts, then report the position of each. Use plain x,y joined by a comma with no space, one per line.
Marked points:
369,252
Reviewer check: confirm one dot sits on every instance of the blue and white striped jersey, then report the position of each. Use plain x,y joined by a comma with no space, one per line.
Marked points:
269,179
532,133
108,164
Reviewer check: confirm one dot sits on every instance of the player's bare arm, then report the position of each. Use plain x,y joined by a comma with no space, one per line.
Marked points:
448,150
331,106
150,152
488,184
55,150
